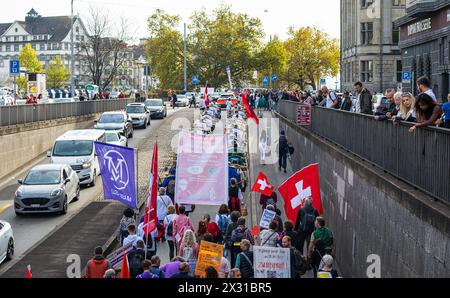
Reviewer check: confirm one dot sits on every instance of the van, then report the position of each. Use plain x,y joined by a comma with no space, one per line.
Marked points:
76,148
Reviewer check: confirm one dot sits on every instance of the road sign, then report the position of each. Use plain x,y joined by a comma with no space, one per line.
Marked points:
406,77
265,81
274,78
14,67
323,81
195,80
89,88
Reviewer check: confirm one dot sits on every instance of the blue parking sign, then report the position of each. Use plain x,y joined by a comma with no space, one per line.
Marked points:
14,67
406,77
195,80
265,81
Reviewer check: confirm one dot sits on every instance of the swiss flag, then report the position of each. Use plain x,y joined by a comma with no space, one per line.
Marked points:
250,113
262,185
150,210
299,187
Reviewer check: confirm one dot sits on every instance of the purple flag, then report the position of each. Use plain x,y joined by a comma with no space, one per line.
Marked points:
118,174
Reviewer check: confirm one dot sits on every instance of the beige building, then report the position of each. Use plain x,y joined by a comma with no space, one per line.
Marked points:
369,44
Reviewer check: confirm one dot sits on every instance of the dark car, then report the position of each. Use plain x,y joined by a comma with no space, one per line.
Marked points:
119,121
157,108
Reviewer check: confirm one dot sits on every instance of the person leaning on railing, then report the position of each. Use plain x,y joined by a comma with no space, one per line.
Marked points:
445,119
428,112
407,110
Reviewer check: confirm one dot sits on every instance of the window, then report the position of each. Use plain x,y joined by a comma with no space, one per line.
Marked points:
77,29
366,3
16,48
16,38
399,69
366,33
366,71
395,34
398,2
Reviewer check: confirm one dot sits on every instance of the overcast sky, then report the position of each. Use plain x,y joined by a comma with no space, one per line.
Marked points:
280,14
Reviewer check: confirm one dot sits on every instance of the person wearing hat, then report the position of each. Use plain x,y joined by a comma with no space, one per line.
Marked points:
327,270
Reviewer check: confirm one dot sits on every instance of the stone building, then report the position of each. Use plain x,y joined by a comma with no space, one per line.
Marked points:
369,44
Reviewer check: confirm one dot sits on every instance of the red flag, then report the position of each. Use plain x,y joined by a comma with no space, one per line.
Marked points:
250,113
28,272
300,186
125,271
255,231
206,92
150,210
262,185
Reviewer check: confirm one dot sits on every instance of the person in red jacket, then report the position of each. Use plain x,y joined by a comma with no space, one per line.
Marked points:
98,265
213,229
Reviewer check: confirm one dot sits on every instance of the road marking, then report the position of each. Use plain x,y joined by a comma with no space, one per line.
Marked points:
4,208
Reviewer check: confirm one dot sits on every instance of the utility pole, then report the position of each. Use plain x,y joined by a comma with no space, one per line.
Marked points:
72,63
185,64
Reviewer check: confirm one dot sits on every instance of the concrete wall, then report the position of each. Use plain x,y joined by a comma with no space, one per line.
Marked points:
22,144
371,212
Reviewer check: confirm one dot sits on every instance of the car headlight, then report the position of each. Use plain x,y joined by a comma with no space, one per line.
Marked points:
87,165
57,192
18,193
142,117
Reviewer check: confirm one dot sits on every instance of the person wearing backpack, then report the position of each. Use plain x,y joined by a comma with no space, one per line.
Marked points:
244,260
283,151
163,202
168,224
234,216
304,224
264,200
324,235
299,265
180,224
135,259
156,263
189,248
270,237
234,203
238,234
223,219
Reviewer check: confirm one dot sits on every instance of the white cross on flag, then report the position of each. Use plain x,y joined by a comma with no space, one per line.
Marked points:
262,185
298,188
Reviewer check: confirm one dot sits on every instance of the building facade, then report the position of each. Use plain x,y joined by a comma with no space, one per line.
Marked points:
49,36
369,44
425,44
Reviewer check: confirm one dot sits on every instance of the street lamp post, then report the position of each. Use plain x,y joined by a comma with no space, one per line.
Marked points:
72,63
185,64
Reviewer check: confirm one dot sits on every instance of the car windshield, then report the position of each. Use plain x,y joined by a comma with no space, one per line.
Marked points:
73,148
111,118
112,137
135,109
42,177
153,103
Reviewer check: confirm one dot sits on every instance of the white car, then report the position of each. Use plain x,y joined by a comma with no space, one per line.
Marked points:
115,138
182,101
6,241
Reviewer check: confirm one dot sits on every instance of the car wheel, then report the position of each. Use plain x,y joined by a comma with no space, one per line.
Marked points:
10,250
145,125
65,207
131,134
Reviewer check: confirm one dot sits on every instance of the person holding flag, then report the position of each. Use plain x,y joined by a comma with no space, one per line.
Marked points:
268,195
250,112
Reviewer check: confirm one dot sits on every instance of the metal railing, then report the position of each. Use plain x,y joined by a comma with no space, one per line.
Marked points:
25,114
421,159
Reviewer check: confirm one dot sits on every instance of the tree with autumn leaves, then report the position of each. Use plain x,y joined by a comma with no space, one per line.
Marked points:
225,38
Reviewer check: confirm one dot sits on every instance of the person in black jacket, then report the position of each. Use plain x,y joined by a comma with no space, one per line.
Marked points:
135,259
283,150
364,97
305,224
347,103
244,260
183,271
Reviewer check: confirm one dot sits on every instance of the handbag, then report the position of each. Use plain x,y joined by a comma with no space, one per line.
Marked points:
291,149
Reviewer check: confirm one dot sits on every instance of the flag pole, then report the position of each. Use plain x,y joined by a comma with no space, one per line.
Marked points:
137,180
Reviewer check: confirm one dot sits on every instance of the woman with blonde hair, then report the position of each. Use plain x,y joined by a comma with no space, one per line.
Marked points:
407,109
189,247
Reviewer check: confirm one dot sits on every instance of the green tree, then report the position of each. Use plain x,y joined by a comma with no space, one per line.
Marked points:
57,73
272,59
312,54
29,60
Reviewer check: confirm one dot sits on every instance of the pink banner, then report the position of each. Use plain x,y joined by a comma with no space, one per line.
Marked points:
202,169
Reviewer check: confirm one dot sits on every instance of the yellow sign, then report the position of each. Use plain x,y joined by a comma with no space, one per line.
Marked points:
210,255
32,87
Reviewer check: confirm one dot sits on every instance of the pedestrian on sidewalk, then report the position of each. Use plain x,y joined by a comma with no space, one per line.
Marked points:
183,271
235,273
263,147
180,224
189,248
201,232
289,231
168,224
305,224
171,268
132,236
234,202
270,237
110,273
325,234
244,260
147,270
283,151
163,202
127,219
277,218
98,265
265,201
239,234
156,263
150,240
327,270
223,219
135,259
213,229
234,216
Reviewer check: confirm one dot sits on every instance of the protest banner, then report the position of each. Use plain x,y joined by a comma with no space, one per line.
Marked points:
116,257
266,218
202,169
210,255
272,262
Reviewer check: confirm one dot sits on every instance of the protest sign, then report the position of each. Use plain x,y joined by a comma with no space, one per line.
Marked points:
210,255
272,262
266,218
116,257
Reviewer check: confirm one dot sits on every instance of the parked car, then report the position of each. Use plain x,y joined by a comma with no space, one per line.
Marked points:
47,189
76,148
118,121
380,104
115,138
182,101
6,241
156,107
140,115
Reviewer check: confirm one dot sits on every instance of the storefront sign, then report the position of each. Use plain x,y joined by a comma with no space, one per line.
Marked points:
418,27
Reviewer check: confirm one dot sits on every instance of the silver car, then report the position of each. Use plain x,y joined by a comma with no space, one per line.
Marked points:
47,189
6,242
115,138
139,113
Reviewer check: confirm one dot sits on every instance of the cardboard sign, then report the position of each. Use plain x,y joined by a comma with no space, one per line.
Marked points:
266,218
210,255
272,262
116,257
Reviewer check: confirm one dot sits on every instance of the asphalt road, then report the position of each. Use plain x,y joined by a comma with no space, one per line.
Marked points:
29,230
